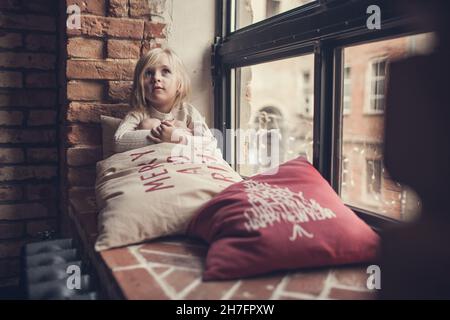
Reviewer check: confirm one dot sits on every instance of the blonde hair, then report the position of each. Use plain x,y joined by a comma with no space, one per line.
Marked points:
151,58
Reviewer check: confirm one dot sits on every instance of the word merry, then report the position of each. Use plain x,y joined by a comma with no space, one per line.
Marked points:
154,174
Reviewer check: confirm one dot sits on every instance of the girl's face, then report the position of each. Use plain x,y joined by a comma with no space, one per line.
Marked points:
161,85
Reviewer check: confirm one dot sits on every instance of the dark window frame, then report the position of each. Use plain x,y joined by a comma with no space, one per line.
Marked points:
327,26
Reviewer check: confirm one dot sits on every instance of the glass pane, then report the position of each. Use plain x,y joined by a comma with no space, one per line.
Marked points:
252,11
275,105
364,181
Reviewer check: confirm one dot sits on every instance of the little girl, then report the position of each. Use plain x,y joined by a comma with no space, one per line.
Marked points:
159,112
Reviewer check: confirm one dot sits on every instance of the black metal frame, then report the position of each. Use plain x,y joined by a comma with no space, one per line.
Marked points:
322,27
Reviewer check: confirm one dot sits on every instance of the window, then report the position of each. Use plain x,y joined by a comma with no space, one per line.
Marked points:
253,11
370,186
345,176
373,178
347,90
308,78
377,83
273,117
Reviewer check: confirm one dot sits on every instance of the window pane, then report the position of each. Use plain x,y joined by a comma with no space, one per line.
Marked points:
274,112
252,11
364,181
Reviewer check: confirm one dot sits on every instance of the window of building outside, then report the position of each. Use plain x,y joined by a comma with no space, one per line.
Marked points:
367,183
373,177
376,87
253,11
347,100
274,110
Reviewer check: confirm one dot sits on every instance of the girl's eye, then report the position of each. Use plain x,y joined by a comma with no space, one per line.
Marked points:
149,73
166,71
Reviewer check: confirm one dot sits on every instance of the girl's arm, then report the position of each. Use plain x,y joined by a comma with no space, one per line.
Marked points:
127,137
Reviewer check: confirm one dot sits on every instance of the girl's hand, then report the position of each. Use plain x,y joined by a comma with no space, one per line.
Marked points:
170,133
155,134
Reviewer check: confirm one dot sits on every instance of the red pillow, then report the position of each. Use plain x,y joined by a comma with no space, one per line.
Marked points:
289,220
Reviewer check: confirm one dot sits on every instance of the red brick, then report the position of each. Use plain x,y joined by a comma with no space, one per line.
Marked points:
42,155
23,211
309,282
90,112
10,230
257,288
40,6
96,7
342,294
118,8
85,48
27,136
140,8
11,249
81,156
351,277
10,4
181,279
155,30
88,227
9,268
28,98
27,22
41,117
40,80
10,40
119,90
214,290
149,44
183,249
108,69
11,192
174,260
42,61
80,134
11,118
11,155
81,177
121,257
10,79
40,42
35,227
113,27
83,200
138,284
160,270
123,49
85,90
20,173
41,191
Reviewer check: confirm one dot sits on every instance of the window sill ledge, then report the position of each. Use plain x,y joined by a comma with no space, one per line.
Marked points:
171,268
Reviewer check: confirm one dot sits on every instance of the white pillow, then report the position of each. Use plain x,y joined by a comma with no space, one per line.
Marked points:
109,127
154,191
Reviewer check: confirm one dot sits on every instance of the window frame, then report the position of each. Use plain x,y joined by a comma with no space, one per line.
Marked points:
327,26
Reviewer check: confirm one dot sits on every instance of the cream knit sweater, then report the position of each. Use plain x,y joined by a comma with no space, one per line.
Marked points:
128,137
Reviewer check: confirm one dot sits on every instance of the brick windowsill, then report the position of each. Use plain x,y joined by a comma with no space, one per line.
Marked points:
171,268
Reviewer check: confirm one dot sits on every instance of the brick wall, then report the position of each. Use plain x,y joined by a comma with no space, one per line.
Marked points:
28,127
54,84
101,56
